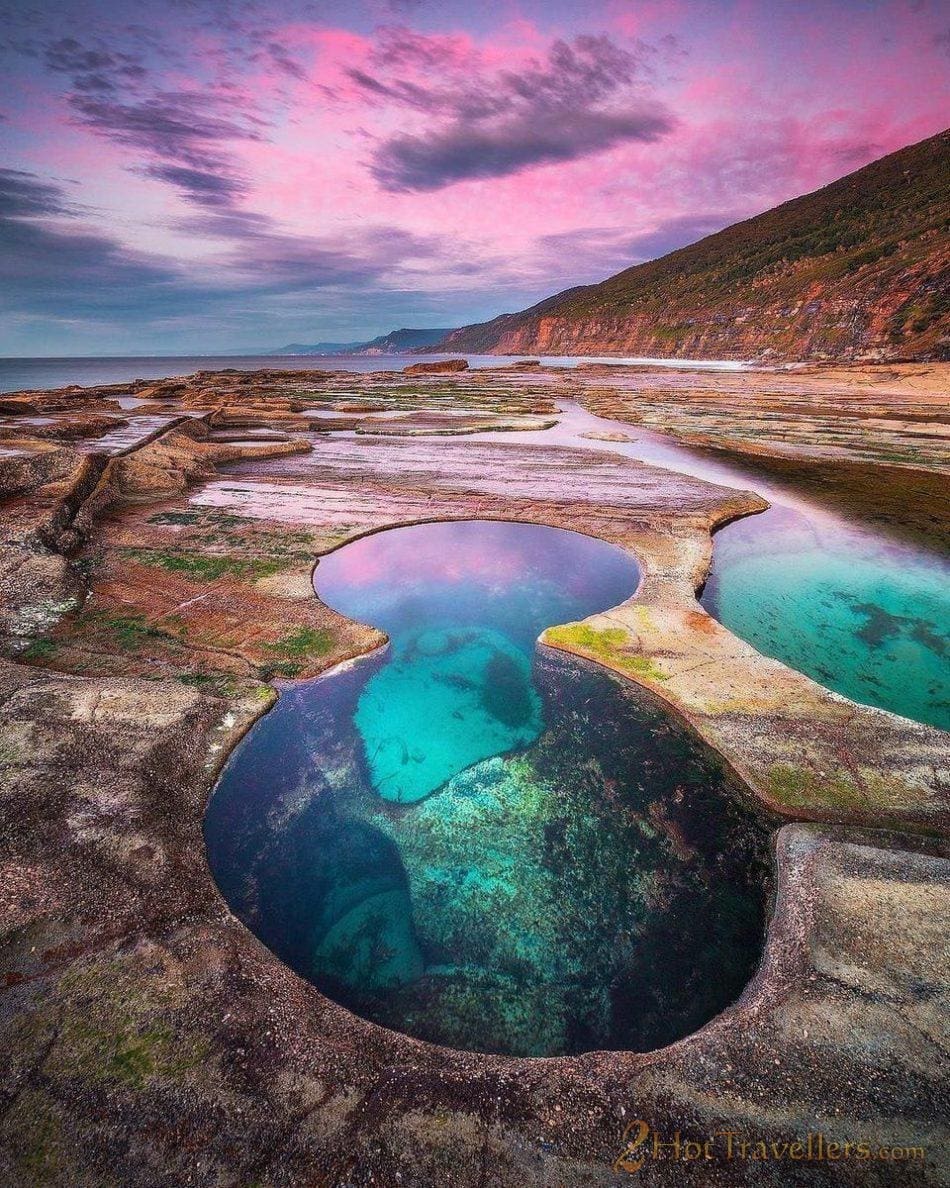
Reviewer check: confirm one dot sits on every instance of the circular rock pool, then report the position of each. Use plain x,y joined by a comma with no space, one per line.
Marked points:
480,841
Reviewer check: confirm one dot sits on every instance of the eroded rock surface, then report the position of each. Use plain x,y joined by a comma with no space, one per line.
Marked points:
149,590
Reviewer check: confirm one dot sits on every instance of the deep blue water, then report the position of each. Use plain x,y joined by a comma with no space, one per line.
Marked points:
481,842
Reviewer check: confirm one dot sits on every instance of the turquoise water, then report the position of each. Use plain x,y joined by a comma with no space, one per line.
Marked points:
480,842
470,600
848,587
862,615
472,685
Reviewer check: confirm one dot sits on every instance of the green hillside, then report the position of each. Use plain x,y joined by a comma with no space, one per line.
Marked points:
858,268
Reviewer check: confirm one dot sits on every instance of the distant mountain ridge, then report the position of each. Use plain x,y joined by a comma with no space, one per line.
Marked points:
396,342
857,269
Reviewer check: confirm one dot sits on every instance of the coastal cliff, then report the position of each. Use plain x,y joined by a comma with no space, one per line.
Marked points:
858,269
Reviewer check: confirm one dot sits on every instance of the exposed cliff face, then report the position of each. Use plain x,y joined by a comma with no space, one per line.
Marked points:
860,268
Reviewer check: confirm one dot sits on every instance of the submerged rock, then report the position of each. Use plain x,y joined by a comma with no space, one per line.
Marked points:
448,699
604,886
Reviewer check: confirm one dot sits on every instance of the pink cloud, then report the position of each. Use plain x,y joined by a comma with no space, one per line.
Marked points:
461,158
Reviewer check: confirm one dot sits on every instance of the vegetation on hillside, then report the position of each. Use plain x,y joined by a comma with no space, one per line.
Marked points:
860,266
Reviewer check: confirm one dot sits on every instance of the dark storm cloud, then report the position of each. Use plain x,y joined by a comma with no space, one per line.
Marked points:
582,99
400,91
417,163
179,126
587,71
182,136
24,195
183,133
399,47
580,74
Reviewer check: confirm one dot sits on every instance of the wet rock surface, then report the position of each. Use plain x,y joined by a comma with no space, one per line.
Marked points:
150,1039
892,415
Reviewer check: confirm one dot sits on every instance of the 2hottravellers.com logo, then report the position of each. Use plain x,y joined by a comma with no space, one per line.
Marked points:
641,1142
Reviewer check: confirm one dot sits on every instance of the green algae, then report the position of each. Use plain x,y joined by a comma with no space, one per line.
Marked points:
608,644
798,787
176,518
219,685
39,649
114,1032
483,843
287,669
130,632
37,1136
198,516
303,642
293,650
206,567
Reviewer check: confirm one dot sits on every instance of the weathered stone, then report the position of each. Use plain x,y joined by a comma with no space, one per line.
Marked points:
435,367
148,1038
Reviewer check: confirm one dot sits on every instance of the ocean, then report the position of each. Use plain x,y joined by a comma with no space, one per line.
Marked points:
45,373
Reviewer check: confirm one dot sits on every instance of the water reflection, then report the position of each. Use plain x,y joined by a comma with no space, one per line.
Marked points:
593,881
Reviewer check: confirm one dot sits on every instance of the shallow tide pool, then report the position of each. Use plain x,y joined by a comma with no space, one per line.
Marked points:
862,614
855,602
479,841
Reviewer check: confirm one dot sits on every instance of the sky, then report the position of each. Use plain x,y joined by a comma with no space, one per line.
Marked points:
212,175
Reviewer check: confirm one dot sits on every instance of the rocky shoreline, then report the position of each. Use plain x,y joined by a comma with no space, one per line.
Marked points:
156,577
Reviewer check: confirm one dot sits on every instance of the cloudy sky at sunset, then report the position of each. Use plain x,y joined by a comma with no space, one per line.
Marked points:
202,175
